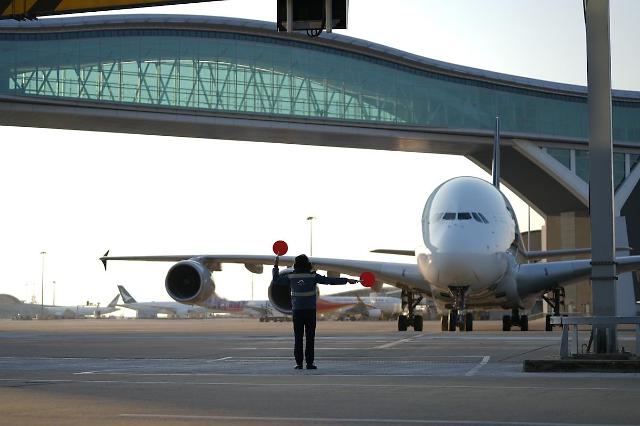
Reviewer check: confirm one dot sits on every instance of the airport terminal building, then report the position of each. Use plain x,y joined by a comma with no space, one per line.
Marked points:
225,78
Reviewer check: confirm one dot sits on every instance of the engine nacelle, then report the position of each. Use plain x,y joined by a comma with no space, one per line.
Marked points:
374,314
280,293
189,281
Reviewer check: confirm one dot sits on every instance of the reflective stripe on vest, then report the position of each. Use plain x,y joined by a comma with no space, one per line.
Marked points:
301,275
303,293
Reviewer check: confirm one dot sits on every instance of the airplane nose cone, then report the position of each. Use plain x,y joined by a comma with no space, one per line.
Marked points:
453,268
466,269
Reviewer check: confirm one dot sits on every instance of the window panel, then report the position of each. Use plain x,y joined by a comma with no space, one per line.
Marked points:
246,73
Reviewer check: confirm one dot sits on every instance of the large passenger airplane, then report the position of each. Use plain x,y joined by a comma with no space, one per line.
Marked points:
471,258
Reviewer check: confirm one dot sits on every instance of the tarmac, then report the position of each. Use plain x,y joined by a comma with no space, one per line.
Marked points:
240,372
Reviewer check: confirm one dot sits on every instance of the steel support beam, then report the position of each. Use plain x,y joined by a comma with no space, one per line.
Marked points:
289,16
601,203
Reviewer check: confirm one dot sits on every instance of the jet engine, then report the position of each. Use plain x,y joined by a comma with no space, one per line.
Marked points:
280,293
374,314
189,281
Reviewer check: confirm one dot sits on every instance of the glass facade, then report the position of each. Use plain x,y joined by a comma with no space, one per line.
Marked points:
562,155
582,163
236,73
618,169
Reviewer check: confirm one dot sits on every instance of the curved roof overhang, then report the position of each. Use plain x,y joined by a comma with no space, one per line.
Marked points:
332,40
150,119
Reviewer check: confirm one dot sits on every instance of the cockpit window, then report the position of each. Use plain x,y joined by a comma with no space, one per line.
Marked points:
477,216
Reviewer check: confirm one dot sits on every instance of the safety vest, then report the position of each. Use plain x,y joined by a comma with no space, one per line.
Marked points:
303,291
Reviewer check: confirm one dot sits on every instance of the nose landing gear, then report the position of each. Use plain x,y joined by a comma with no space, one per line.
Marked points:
458,316
410,300
516,319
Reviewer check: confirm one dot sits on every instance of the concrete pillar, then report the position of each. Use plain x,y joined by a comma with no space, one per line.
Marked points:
571,230
603,270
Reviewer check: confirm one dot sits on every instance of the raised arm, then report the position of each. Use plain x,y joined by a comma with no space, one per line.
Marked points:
276,271
321,279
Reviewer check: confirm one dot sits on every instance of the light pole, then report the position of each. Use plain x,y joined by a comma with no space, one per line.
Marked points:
54,293
43,254
310,219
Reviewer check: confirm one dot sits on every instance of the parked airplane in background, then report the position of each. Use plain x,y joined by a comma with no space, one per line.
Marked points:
87,310
11,307
152,309
374,307
256,308
471,258
370,307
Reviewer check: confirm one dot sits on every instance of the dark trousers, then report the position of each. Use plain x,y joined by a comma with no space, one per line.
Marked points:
304,321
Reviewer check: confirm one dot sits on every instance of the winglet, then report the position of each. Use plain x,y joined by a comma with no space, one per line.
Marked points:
103,259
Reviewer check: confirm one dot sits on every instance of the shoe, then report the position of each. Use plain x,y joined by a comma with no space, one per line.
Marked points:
298,367
311,367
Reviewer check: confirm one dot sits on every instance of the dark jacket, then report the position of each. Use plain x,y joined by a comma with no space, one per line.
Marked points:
303,287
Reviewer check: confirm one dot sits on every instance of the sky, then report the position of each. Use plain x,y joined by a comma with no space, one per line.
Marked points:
76,194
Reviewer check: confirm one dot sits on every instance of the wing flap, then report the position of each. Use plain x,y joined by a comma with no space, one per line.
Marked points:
548,254
537,277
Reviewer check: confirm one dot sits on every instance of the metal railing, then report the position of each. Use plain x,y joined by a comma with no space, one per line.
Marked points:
609,322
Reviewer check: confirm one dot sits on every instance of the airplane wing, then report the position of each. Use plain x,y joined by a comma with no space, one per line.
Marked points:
403,274
548,254
536,277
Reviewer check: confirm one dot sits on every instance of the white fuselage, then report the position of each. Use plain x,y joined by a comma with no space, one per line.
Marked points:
471,241
168,308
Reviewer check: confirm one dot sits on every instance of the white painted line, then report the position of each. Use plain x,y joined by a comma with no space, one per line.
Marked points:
219,359
475,369
342,420
397,342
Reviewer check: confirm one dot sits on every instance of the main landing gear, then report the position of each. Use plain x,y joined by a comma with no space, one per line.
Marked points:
458,317
556,301
410,300
515,319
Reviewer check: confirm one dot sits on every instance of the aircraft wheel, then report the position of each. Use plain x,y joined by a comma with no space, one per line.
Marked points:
402,323
547,323
453,320
444,323
506,323
417,323
468,320
524,323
